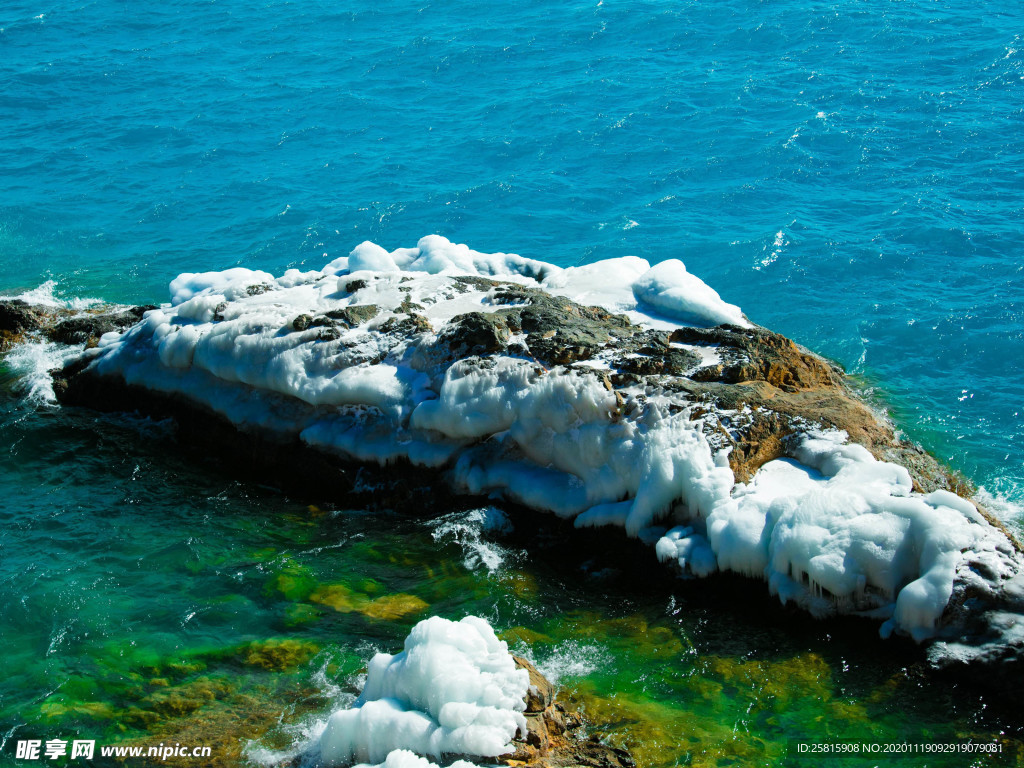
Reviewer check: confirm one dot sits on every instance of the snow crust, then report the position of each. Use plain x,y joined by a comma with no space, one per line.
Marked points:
455,689
829,527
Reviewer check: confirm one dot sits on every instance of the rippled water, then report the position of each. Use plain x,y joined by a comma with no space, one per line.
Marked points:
849,173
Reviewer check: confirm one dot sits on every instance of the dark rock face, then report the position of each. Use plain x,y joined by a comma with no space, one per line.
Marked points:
88,328
652,354
354,285
476,333
259,289
16,319
561,332
760,355
60,325
356,315
409,325
558,331
541,694
349,317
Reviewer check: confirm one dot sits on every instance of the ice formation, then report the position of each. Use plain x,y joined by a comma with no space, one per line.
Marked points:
835,529
454,690
338,358
403,758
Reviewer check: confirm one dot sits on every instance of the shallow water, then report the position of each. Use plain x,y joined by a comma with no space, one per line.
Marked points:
149,598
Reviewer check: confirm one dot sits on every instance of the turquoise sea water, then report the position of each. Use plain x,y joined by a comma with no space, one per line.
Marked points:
849,173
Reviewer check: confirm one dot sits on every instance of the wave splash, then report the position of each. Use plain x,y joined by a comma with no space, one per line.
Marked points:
47,295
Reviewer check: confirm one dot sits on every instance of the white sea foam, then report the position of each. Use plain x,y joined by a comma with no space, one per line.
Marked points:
46,295
31,362
303,734
1009,510
403,758
571,660
466,528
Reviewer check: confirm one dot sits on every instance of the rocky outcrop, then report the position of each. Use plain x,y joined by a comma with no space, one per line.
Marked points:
359,396
783,386
87,328
19,319
349,317
759,390
555,733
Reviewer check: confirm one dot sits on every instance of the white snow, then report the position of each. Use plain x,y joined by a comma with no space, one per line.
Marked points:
669,289
403,758
840,531
558,443
607,283
455,689
231,283
689,550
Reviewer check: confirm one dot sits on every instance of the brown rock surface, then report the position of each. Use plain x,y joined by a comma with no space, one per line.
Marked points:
555,734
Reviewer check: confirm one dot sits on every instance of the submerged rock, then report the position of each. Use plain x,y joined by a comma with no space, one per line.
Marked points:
596,393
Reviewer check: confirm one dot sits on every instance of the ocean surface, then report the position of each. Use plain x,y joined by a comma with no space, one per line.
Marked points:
849,173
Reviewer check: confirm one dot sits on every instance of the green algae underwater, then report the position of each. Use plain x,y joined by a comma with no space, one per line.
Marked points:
147,597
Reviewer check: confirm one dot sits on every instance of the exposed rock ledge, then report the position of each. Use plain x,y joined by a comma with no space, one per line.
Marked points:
554,737
587,392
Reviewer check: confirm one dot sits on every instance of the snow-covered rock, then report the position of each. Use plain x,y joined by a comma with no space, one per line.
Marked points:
454,690
595,393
